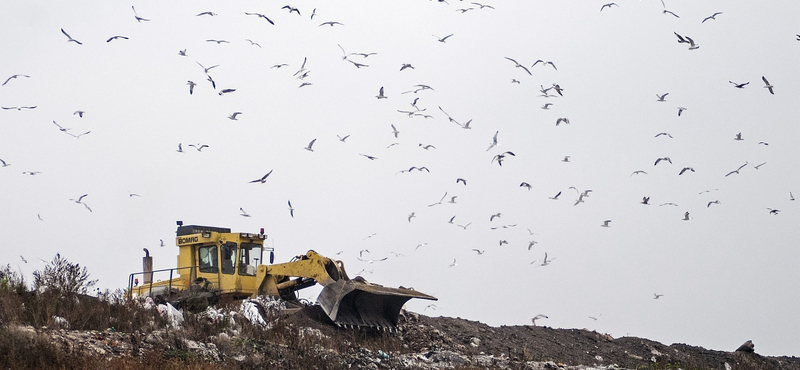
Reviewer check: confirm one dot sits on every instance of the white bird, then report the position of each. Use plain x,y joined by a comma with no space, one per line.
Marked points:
562,119
538,317
309,146
162,242
263,179
443,39
767,85
547,105
245,214
70,39
380,94
291,209
606,223
712,16
80,199
657,296
555,197
138,18
496,215
4,164
342,138
520,66
663,159
412,215
12,77
394,131
608,6
494,141
686,216
180,148
199,147
531,244
453,264
233,116
501,157
662,98
478,251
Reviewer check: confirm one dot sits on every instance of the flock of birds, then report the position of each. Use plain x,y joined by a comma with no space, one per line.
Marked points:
414,96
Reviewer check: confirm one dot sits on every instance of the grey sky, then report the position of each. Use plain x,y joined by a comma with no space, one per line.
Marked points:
727,275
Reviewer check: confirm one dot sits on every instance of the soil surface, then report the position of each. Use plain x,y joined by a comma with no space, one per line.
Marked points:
529,347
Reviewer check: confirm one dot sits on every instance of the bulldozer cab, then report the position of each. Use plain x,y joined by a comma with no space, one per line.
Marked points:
221,261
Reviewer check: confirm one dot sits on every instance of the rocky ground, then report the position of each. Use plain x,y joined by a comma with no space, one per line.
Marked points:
420,342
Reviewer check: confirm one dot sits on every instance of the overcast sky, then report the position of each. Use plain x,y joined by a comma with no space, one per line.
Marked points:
727,274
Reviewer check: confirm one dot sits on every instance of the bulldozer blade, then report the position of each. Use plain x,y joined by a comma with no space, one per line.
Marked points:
351,302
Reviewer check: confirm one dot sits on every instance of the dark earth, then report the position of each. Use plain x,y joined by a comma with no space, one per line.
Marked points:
529,347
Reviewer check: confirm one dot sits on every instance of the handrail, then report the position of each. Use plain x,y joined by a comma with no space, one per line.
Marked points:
150,288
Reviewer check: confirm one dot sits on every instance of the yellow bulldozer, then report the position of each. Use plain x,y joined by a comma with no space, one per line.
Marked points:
214,262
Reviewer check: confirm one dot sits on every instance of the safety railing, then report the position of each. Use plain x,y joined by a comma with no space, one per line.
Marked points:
139,289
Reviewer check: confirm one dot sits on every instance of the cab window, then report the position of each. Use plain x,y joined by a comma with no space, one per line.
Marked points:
208,258
228,257
249,255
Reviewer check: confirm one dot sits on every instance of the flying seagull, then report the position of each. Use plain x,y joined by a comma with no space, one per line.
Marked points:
500,157
261,16
380,94
443,39
545,63
662,98
608,6
712,16
70,37
494,141
263,179
739,85
13,77
520,65
606,223
291,209
330,23
538,317
233,116
244,214
657,296
663,159
198,146
191,86
767,85
115,38
309,145
665,11
4,164
138,18
291,9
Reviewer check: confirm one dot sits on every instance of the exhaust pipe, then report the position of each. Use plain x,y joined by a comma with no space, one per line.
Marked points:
147,267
